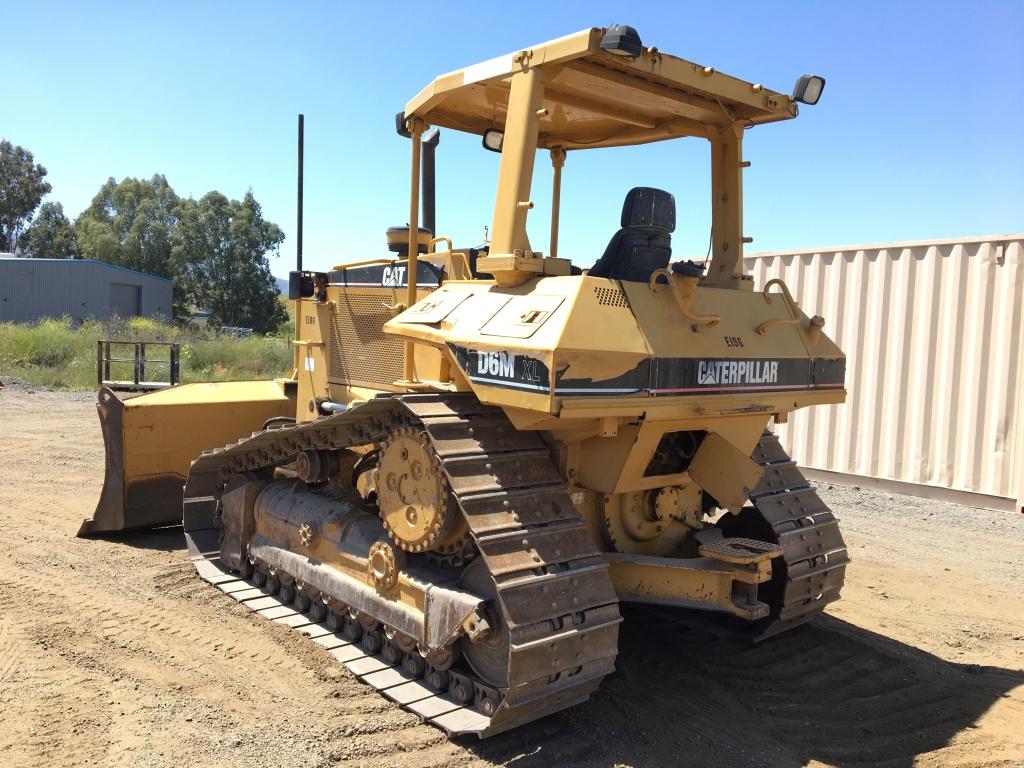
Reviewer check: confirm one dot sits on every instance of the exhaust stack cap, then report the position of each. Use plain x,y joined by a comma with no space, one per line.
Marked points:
688,269
398,240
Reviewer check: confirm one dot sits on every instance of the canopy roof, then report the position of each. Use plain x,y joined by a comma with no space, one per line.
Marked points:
594,98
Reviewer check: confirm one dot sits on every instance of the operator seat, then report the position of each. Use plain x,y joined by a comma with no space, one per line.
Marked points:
644,244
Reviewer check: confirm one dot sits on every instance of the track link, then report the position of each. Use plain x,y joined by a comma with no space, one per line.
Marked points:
551,582
810,573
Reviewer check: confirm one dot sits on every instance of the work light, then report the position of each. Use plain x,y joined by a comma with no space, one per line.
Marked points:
493,139
622,41
808,89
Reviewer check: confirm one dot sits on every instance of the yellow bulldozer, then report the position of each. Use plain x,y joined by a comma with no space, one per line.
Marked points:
482,452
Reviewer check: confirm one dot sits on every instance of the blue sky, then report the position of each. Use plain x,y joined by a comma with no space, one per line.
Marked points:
920,132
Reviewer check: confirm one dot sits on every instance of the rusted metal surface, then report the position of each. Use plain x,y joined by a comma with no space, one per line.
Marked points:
670,581
151,439
552,588
128,502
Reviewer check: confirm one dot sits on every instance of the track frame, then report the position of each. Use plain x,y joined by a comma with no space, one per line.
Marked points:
552,583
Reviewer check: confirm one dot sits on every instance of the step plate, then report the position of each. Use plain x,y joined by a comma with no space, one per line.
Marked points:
740,551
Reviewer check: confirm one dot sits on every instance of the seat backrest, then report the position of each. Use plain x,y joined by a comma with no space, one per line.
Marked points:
644,244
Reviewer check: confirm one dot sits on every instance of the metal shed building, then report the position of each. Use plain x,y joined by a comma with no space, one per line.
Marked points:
34,288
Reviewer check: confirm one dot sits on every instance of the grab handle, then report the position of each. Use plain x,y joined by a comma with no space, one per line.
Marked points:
700,322
787,299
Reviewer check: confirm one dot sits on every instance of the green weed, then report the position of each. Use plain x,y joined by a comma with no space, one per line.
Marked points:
58,354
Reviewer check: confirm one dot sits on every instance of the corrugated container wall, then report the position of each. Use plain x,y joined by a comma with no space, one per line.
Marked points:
78,288
935,351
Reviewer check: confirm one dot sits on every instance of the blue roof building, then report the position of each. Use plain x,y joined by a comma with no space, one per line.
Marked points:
31,289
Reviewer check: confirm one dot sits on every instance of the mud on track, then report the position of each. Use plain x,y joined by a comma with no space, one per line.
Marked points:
113,653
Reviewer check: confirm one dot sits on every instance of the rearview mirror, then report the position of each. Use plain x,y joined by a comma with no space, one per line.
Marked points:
808,89
400,127
493,140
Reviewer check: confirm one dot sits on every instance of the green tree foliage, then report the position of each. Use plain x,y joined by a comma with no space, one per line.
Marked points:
21,190
220,259
50,235
131,224
215,249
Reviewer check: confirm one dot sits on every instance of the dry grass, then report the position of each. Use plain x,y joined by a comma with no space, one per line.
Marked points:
59,354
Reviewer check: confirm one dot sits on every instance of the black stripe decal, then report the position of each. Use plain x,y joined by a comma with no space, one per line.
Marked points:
394,275
658,377
511,370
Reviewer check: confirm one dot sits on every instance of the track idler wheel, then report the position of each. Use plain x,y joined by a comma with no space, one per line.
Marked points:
489,654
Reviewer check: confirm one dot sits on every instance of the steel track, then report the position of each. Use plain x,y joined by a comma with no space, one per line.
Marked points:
551,582
810,573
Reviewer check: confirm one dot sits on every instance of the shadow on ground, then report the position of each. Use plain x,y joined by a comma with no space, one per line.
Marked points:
831,692
168,539
685,692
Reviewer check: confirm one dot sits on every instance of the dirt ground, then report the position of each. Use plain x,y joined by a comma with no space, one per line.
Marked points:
113,653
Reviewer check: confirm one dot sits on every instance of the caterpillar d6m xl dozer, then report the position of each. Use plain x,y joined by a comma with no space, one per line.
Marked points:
489,450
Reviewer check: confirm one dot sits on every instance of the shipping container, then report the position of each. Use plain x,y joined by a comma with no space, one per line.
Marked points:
932,331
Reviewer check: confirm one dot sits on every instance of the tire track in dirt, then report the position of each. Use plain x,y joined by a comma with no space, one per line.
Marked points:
49,726
68,717
832,694
9,652
141,625
829,693
123,657
153,640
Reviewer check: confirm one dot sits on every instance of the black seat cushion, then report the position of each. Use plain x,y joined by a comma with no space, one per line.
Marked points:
644,244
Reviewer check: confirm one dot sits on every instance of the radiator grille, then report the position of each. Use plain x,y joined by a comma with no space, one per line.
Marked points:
361,353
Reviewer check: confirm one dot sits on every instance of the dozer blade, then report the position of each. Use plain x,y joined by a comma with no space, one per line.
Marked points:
152,439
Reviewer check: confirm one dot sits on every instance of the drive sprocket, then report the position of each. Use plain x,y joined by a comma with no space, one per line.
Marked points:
414,498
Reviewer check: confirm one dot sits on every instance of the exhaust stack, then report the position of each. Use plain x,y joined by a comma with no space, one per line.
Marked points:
429,144
298,223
